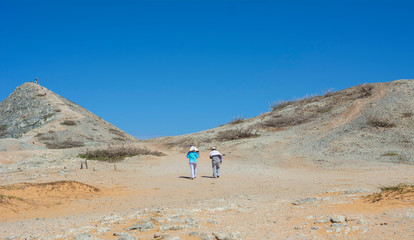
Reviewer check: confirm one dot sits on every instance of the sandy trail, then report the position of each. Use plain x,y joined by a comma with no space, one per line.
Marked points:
163,183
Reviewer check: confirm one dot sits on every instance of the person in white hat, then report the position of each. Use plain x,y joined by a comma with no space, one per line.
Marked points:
192,156
216,160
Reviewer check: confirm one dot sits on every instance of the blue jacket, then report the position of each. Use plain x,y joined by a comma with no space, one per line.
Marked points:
192,156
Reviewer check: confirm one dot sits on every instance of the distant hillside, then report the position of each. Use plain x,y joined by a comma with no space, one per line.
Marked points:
370,122
36,113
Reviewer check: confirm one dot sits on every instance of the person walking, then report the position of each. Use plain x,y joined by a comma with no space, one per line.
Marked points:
216,160
192,156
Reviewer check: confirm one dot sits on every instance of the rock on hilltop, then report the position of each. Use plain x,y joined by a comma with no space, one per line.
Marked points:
36,114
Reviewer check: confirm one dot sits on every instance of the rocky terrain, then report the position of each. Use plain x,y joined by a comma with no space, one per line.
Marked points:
33,113
336,166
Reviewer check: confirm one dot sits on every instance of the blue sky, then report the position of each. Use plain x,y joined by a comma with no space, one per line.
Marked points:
159,68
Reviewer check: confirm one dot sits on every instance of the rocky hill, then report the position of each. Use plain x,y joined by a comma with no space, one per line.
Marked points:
373,122
33,113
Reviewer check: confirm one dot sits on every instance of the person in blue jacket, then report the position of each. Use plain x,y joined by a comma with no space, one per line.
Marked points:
192,156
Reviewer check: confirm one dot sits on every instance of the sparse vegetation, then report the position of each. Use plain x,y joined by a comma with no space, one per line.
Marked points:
280,104
237,133
65,144
117,153
379,123
5,198
116,132
3,130
48,116
407,114
68,123
399,192
390,154
237,120
325,109
280,121
365,90
119,139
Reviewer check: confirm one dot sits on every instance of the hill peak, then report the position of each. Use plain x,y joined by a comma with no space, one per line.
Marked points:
34,112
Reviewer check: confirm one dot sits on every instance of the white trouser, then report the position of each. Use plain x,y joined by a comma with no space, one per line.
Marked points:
193,167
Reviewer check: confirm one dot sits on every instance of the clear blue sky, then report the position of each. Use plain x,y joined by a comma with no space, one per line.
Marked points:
158,68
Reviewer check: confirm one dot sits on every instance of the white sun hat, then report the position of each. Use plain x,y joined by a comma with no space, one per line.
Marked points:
193,148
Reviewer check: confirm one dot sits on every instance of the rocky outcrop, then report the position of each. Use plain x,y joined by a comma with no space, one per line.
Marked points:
35,112
25,109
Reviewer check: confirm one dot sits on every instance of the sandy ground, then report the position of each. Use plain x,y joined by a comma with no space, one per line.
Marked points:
251,200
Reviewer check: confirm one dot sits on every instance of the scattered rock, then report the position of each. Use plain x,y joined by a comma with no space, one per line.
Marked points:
142,226
212,221
337,218
125,236
304,201
172,227
193,234
322,220
206,236
84,236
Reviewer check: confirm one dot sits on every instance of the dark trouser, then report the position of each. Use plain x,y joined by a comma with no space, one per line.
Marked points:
216,168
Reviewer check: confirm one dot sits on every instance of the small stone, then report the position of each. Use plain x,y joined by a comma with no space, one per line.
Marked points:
206,236
125,236
142,226
304,201
338,225
322,220
84,236
337,218
193,234
314,228
157,235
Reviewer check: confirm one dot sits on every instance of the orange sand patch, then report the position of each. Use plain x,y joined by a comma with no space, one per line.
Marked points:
25,197
391,198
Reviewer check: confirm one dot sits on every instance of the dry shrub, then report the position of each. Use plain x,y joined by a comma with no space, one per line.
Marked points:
280,121
402,192
65,144
68,123
365,91
237,133
280,104
116,132
119,139
3,130
237,120
380,123
117,153
407,114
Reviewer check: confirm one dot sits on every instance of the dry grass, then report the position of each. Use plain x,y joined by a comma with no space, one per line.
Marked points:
380,123
282,121
237,133
68,123
3,130
407,114
65,144
117,132
401,192
237,120
117,153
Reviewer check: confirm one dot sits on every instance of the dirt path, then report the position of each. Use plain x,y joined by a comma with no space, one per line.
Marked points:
250,198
